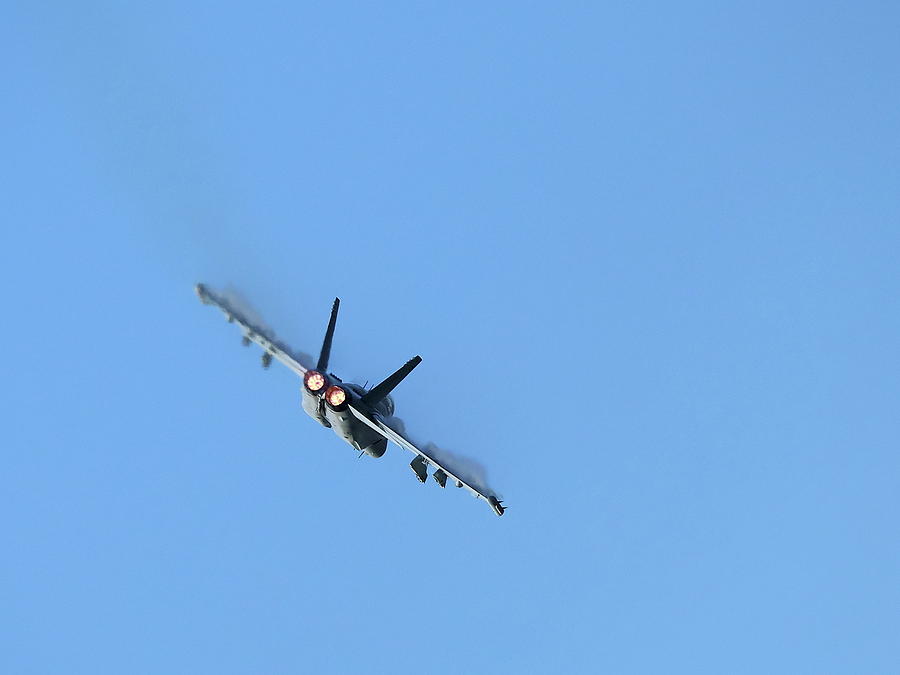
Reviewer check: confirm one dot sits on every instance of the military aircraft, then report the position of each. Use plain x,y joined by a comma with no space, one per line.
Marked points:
355,413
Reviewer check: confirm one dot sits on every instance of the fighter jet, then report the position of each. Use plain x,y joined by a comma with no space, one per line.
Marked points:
356,414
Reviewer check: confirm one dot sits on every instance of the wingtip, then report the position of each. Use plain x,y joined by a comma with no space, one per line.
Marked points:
200,290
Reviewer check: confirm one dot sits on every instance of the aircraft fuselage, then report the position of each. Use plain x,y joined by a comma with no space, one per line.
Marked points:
357,434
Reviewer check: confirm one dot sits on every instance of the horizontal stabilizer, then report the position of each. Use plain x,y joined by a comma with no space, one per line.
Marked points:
378,392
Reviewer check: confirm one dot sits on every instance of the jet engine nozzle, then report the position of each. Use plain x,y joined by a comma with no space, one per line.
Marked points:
336,398
314,381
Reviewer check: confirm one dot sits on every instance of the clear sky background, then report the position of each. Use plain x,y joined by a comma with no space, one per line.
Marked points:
648,252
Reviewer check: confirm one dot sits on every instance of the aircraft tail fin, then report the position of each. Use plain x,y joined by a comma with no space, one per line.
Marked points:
379,391
324,355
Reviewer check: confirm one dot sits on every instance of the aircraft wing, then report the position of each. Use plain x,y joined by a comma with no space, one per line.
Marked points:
441,473
272,347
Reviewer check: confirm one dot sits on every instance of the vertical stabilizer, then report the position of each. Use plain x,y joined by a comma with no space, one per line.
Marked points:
378,392
324,355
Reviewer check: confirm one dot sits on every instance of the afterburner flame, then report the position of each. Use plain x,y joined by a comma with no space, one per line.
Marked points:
314,381
335,396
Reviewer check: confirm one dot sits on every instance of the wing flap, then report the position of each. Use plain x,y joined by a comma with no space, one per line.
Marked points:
252,332
397,439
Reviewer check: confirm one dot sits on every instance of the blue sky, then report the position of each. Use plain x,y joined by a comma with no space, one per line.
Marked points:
648,254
